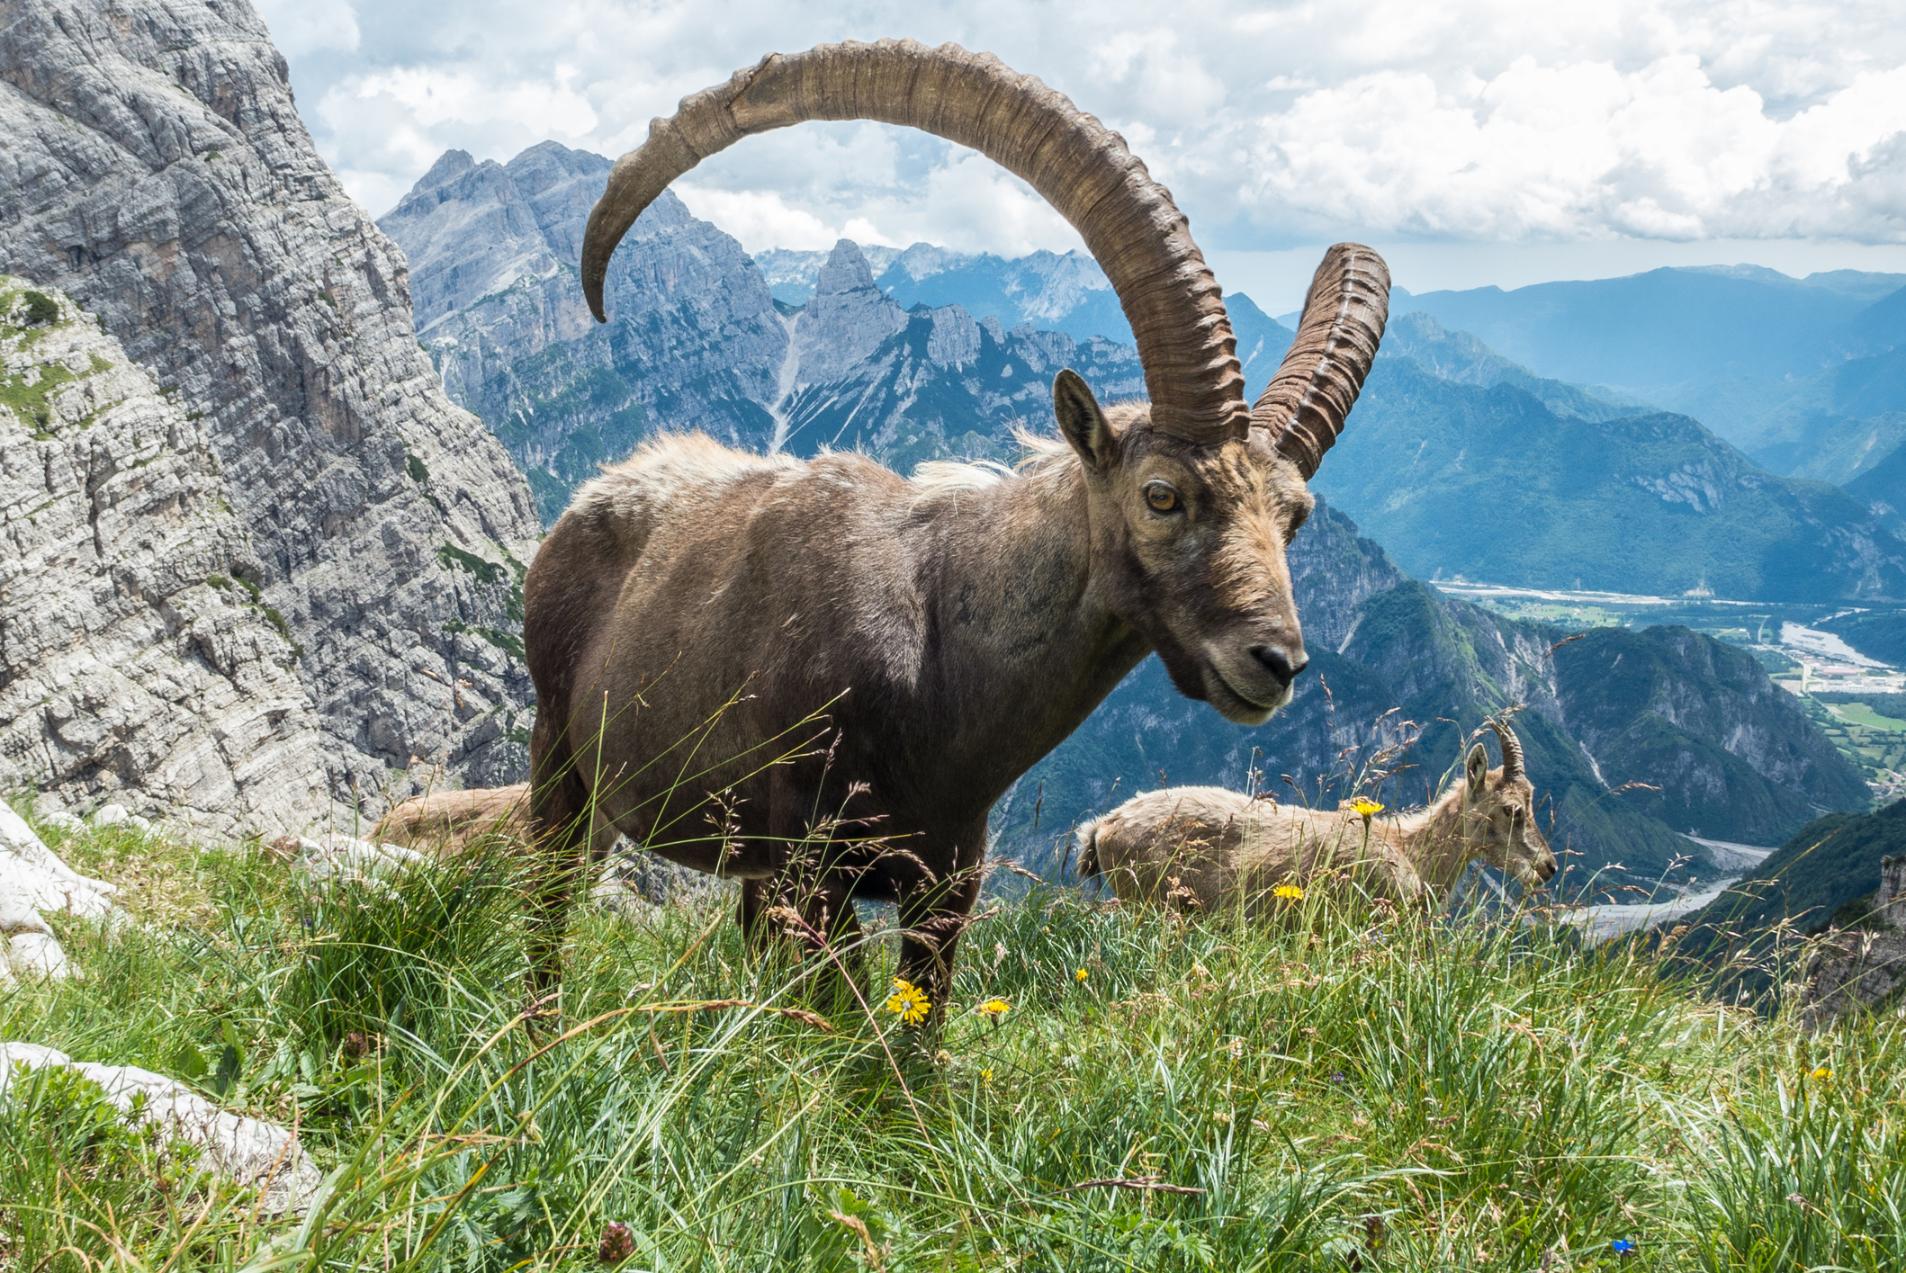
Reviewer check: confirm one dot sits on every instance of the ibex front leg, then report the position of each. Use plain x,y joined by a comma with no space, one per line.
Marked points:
934,912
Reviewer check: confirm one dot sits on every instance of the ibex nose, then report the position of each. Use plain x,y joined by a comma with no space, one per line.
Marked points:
1281,663
1546,871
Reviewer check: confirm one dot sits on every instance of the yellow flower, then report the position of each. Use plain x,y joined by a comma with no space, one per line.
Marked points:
986,1075
1079,975
1365,807
1288,892
908,1002
1820,1074
995,1007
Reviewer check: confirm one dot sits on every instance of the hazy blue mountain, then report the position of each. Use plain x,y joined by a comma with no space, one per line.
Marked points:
1481,477
1882,488
698,340
1737,348
1699,735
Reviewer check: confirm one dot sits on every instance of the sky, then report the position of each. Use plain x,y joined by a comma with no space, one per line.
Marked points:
1473,142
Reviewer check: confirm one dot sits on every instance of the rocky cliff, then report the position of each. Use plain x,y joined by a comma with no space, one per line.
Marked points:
138,660
155,170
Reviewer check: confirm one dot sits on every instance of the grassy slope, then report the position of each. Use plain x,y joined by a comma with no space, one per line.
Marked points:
1355,1096
1830,862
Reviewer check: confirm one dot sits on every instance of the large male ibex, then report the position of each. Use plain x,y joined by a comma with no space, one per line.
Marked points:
695,602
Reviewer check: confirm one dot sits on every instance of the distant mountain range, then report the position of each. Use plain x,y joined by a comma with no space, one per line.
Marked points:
1473,467
1808,376
800,352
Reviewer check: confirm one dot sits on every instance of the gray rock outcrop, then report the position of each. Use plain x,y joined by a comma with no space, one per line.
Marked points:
254,1153
34,883
156,170
1862,968
138,662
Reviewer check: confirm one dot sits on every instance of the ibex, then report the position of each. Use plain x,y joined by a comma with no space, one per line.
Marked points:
1212,848
448,821
695,601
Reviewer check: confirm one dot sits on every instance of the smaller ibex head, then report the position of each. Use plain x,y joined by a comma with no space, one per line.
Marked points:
1499,813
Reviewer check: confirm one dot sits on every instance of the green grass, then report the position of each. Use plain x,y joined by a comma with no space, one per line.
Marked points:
1863,714
1333,1093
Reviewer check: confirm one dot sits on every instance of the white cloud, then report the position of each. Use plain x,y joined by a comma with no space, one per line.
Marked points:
1274,124
1578,150
302,27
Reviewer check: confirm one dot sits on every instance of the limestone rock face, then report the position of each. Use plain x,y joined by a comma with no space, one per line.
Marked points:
251,1151
138,662
155,170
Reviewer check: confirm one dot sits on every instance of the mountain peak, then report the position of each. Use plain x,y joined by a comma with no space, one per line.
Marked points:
845,270
449,166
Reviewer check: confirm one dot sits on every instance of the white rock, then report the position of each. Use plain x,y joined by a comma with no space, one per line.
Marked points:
117,815
251,1151
362,531
348,858
30,871
33,881
62,821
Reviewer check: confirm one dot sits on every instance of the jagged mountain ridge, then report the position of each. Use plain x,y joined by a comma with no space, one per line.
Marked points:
1053,291
157,172
1463,461
696,340
859,369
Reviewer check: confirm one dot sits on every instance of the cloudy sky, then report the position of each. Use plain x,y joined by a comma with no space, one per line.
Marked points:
1486,141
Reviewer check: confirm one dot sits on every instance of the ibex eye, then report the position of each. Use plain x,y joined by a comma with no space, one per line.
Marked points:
1160,498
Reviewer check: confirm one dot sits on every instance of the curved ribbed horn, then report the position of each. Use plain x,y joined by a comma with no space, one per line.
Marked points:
1511,748
1316,385
1082,168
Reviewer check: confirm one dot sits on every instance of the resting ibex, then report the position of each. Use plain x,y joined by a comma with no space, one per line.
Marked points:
695,601
1213,847
448,821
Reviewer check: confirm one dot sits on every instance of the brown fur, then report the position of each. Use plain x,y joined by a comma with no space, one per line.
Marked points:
447,821
1210,847
733,653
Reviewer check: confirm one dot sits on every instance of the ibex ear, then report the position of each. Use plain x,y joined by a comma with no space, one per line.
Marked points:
1477,769
1081,421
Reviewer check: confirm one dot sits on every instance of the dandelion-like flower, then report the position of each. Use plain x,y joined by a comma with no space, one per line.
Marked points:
986,1075
995,1008
1079,975
908,1002
1288,893
1820,1074
1366,808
